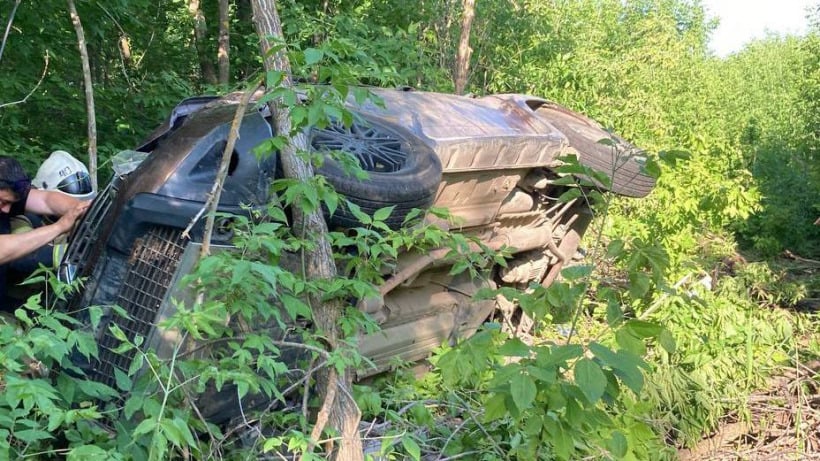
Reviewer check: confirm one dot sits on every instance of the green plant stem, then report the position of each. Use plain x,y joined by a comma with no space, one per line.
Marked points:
166,392
599,234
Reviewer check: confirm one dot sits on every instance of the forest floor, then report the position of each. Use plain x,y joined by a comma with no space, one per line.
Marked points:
781,421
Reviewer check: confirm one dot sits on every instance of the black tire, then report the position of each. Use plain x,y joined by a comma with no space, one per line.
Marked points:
402,170
621,162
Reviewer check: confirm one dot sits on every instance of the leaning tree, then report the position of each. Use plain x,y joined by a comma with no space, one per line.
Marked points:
339,410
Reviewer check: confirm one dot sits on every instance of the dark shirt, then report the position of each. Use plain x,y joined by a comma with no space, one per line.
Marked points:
17,208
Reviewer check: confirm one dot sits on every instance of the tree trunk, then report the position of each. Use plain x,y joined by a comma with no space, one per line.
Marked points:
223,54
464,50
89,94
8,27
200,42
343,415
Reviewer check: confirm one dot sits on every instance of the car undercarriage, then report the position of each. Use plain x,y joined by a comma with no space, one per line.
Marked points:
492,162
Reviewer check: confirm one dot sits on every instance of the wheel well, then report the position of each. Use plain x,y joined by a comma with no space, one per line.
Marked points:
535,104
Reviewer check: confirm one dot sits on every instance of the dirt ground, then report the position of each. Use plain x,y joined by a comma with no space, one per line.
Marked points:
783,423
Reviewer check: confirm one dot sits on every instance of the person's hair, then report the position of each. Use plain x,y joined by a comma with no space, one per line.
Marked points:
13,177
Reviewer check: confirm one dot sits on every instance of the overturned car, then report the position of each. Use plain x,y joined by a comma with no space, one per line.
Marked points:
490,161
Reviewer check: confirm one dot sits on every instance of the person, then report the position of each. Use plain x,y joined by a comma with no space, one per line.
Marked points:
22,252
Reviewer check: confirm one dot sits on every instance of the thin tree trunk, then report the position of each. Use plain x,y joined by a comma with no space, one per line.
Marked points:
8,27
223,54
343,414
464,50
200,42
89,94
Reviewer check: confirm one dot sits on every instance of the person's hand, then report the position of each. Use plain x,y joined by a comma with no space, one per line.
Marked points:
66,221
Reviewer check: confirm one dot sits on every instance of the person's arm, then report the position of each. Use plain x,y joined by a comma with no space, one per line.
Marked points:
51,203
15,246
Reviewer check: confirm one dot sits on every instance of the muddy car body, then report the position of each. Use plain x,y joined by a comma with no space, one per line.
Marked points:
489,160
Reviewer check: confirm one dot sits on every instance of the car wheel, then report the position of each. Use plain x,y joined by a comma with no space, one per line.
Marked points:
621,162
402,170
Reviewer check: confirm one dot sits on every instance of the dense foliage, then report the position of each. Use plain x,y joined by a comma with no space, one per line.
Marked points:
690,268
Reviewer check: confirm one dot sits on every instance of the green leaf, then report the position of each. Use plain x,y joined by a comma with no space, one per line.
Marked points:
672,157
55,420
565,181
298,114
607,356
618,444
32,435
95,313
22,315
295,307
411,447
312,56
331,199
360,215
133,404
95,389
625,365
644,329
562,442
383,213
615,248
495,408
117,332
136,364
272,443
242,388
171,431
651,168
270,274
146,426
614,313
315,113
187,435
558,355
602,178
123,380
590,378
667,341
523,391
639,284
546,375
577,272
273,78
569,195
514,347
571,166
332,112
629,341
595,196
87,452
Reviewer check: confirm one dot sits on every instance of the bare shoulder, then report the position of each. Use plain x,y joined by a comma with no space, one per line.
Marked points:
37,197
50,202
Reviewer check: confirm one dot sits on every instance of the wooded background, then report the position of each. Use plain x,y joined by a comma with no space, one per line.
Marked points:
737,137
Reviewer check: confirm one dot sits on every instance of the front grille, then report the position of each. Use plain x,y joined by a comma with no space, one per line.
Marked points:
154,259
84,238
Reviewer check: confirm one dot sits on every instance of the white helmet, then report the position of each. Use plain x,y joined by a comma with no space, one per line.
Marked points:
64,173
